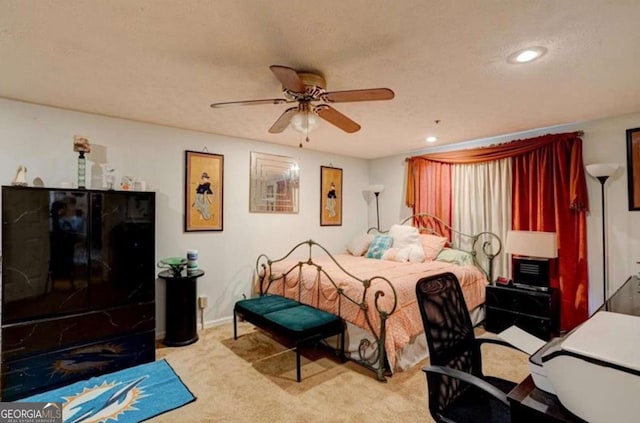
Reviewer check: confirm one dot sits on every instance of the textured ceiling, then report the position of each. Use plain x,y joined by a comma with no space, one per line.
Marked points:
165,61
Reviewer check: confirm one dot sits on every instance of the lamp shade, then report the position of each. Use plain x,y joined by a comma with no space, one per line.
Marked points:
532,244
376,188
81,144
598,170
304,122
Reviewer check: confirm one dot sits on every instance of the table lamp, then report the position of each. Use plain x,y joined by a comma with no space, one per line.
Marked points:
533,251
81,145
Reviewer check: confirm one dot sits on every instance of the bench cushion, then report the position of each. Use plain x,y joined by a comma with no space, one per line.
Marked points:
288,317
265,304
304,321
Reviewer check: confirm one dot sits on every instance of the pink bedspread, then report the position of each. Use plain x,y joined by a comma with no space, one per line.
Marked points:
405,323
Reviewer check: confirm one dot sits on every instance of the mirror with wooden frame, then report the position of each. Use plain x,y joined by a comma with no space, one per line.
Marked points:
275,184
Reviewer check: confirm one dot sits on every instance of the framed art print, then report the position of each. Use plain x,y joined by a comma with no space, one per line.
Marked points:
633,167
330,196
203,191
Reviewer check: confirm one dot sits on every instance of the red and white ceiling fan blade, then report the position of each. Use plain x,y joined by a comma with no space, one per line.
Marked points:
372,94
288,78
336,118
283,121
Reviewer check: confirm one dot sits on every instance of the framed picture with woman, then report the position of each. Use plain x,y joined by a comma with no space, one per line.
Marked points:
330,196
203,191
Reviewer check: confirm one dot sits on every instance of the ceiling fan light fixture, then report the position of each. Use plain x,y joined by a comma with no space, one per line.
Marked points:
304,122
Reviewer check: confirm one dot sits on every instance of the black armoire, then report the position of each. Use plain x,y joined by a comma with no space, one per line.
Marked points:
78,285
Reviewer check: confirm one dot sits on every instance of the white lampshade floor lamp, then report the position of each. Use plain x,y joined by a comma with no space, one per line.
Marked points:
376,190
602,172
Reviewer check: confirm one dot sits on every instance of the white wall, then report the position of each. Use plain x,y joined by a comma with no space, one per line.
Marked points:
604,141
390,172
41,139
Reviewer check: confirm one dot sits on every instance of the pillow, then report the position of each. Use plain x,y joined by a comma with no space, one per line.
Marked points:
379,244
451,255
432,245
359,244
397,254
416,254
404,236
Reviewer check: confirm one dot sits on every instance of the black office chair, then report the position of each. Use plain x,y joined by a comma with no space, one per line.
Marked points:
458,391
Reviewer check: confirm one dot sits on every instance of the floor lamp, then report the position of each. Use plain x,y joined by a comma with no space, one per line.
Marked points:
377,189
602,171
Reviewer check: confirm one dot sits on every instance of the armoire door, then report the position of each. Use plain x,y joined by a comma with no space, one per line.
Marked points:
122,248
44,244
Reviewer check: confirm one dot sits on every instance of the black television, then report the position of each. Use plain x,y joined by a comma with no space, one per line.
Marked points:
531,273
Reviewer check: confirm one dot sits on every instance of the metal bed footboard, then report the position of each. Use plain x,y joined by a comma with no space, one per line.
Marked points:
371,352
484,247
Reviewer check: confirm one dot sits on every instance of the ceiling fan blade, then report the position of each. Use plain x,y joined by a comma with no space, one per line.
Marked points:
289,78
358,95
336,118
250,102
283,121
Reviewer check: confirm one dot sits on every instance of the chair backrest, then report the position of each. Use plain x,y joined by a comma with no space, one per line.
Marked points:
450,336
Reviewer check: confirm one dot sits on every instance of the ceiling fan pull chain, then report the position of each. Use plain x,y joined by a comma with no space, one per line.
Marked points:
306,115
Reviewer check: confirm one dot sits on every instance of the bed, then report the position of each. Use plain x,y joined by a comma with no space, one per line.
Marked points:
376,296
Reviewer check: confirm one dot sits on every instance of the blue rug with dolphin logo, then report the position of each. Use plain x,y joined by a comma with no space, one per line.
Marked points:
130,395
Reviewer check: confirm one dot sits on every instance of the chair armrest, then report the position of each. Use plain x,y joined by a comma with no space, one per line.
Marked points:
497,341
470,379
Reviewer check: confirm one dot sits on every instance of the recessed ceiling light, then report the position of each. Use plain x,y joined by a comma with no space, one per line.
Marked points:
527,55
431,138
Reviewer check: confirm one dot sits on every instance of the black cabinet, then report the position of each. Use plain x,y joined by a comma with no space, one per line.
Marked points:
533,311
78,294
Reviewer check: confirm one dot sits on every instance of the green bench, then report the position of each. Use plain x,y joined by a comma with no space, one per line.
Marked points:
290,319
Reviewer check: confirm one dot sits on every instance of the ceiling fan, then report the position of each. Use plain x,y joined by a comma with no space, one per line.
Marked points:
305,88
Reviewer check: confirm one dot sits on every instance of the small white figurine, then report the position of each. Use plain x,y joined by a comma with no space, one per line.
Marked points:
21,177
108,176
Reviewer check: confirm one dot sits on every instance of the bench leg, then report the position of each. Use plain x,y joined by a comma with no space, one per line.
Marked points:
235,327
342,356
298,378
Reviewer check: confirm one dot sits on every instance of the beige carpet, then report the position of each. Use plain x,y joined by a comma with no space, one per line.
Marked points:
247,381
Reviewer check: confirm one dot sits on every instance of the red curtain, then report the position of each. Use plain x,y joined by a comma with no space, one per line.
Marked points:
545,198
549,194
429,188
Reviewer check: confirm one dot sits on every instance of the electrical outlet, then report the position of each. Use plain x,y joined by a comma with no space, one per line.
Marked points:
203,301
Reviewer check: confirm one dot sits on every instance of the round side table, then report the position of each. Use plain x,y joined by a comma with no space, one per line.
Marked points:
181,322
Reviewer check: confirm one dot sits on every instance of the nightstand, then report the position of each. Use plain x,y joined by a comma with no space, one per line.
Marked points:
181,323
533,311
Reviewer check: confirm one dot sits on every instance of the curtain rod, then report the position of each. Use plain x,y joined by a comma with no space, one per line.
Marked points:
579,133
